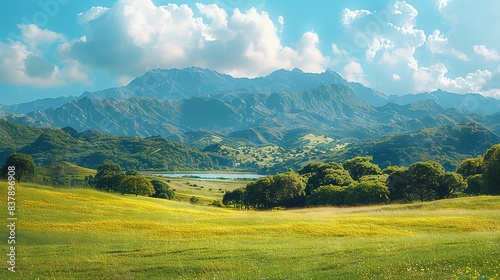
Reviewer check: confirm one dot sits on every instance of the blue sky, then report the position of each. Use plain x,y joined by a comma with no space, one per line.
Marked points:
51,48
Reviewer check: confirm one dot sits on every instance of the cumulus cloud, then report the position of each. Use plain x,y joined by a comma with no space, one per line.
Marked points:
348,16
434,77
388,38
387,44
353,72
438,44
134,36
35,36
486,53
23,62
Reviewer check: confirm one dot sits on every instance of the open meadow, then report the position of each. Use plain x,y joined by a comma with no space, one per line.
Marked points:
88,234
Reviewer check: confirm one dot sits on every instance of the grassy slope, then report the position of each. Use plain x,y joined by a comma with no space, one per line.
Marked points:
82,233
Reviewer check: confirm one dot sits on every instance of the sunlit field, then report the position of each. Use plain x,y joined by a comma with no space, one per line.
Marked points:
87,234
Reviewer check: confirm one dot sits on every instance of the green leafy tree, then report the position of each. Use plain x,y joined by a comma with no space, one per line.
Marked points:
109,176
424,180
137,185
393,168
470,167
131,172
162,190
361,166
326,196
323,174
24,164
258,193
235,198
366,193
491,167
397,184
288,190
450,183
56,173
474,184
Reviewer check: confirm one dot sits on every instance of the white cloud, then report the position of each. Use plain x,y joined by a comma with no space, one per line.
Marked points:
386,33
92,14
281,23
22,62
438,44
434,77
134,36
35,36
18,65
392,45
486,53
348,16
353,72
442,4
309,57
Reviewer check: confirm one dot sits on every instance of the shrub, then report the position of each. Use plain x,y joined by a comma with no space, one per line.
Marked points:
194,199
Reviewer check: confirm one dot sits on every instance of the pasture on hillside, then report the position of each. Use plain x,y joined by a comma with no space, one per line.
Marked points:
88,234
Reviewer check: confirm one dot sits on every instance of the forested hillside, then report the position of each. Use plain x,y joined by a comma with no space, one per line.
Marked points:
91,148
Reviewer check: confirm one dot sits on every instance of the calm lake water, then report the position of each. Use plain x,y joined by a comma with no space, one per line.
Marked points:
212,176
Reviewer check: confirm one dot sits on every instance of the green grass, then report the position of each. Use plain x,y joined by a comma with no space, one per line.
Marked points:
86,234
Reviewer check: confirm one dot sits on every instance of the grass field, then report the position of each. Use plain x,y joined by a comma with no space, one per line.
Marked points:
86,234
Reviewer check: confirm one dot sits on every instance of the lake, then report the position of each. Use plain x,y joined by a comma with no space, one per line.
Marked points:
212,176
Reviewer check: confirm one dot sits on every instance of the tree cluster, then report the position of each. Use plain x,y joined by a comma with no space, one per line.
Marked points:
358,181
110,177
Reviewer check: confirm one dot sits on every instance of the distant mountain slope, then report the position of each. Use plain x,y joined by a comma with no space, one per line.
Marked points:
448,145
471,102
333,107
176,84
37,105
375,98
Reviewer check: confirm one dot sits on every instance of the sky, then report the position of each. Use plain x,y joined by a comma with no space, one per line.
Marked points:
51,48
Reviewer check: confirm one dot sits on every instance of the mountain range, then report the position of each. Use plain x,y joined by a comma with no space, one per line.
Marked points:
201,107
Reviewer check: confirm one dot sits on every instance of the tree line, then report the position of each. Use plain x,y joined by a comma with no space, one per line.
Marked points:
358,181
109,177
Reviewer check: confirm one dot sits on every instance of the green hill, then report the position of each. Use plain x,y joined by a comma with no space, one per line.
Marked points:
91,148
448,145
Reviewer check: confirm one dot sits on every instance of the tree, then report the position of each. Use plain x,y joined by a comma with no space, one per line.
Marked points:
397,184
474,184
109,176
361,166
137,185
423,180
450,183
326,196
491,167
131,172
288,190
323,174
24,164
365,193
162,189
56,173
235,198
258,193
470,167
